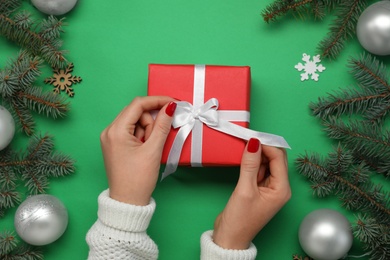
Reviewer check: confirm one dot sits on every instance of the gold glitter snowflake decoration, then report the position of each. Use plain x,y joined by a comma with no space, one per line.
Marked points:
63,80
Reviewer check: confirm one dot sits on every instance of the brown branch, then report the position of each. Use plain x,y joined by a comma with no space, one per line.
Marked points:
55,105
381,115
34,36
39,145
363,194
270,16
36,181
25,126
341,29
372,74
353,100
33,66
366,137
18,163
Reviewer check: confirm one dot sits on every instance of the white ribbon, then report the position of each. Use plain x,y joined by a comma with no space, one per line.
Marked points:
185,118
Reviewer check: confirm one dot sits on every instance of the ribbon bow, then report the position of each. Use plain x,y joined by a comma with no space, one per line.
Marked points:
188,117
186,114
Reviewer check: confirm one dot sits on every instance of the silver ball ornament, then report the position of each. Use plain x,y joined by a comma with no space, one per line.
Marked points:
41,219
54,7
373,28
7,127
325,234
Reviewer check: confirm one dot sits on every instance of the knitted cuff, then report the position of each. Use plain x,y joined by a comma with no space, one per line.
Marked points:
124,216
210,250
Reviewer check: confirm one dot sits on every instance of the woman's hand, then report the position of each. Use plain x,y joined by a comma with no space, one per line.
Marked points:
132,146
262,190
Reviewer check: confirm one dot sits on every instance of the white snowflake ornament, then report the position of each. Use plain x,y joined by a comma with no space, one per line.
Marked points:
310,67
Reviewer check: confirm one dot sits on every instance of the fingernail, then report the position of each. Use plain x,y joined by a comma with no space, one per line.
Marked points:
170,108
253,145
143,139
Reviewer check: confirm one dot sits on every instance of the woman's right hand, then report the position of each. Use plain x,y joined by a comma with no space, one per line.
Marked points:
262,190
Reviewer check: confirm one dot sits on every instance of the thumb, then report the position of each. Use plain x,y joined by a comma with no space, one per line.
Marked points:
250,163
162,125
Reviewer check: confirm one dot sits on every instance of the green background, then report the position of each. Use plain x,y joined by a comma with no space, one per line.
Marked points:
111,44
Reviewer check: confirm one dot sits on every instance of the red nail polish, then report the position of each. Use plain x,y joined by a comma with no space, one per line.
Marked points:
170,108
253,145
143,139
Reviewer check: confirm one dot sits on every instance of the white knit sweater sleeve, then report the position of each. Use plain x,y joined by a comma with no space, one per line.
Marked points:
210,250
120,231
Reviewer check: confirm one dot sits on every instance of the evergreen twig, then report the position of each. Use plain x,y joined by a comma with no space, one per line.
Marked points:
34,166
372,100
350,182
21,96
40,39
374,235
12,249
366,142
341,29
298,257
282,7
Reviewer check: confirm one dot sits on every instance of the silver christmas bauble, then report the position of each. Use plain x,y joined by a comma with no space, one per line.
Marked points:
325,234
54,7
373,28
41,219
7,127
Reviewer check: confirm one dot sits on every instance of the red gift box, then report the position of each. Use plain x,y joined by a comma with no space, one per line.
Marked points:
229,84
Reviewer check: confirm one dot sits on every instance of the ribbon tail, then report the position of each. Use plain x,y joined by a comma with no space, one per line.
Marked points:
175,152
245,133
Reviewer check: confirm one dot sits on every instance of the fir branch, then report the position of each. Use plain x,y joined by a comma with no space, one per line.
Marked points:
12,249
372,100
35,182
34,167
21,97
356,195
342,28
319,9
51,28
44,102
23,116
9,6
377,113
298,257
8,242
25,253
347,101
9,198
58,165
42,43
375,236
281,7
26,69
8,83
39,147
23,20
364,140
370,73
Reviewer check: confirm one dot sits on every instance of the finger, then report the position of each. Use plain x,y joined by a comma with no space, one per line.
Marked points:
162,126
139,132
250,163
131,114
262,173
146,121
278,167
